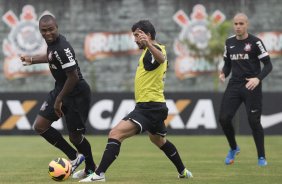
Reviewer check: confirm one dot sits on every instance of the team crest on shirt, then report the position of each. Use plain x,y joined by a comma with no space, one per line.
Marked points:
43,107
50,58
248,47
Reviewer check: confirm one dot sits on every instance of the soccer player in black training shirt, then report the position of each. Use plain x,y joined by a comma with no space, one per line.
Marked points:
70,97
242,57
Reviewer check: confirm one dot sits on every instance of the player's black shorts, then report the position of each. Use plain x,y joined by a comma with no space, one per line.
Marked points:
149,116
75,107
236,94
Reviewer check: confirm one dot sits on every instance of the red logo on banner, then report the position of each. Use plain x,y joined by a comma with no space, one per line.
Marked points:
192,46
24,39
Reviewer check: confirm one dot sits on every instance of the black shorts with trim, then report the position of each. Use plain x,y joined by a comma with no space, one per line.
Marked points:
149,116
75,107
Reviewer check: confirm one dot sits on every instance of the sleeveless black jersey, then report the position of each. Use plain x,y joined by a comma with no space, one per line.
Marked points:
61,58
243,57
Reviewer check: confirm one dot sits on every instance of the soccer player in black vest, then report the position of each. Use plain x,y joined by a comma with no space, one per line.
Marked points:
243,55
150,110
70,98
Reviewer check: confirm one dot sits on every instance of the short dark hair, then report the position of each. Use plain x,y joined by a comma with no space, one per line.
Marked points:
146,26
46,18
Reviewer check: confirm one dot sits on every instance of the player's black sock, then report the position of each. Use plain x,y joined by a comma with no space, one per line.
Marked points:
171,152
85,148
56,139
110,154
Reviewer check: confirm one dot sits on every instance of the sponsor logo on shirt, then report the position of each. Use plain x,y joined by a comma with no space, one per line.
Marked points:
239,56
58,57
69,55
261,47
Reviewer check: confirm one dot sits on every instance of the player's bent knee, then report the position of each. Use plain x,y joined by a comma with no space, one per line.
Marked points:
75,141
158,142
38,128
254,118
117,134
254,121
41,124
225,120
75,138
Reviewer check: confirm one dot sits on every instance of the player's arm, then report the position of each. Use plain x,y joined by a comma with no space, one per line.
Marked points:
30,60
267,68
263,56
69,66
254,82
157,54
226,69
72,79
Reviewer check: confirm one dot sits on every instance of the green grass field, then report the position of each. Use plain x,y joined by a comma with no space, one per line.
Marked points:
24,159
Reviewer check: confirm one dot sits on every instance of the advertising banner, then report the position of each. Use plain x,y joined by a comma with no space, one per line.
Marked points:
23,39
109,44
189,113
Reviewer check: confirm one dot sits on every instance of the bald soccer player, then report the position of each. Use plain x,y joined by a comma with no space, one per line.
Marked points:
243,56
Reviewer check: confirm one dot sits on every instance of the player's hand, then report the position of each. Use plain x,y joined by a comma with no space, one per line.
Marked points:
58,108
221,77
143,38
252,83
26,60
